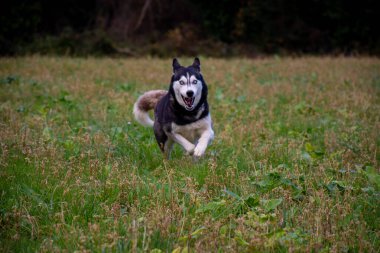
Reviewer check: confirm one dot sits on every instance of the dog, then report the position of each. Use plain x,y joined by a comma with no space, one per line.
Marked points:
181,114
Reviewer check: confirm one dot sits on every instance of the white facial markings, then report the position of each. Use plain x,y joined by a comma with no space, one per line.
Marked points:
194,81
181,88
183,80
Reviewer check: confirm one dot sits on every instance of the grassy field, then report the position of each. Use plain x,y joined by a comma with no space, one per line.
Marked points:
294,165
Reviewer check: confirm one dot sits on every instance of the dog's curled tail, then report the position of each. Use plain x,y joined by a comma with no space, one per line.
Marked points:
146,102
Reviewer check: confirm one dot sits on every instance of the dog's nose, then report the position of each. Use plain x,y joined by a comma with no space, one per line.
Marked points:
190,93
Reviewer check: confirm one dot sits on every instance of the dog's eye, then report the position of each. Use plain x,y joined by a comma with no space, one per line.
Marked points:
195,82
181,82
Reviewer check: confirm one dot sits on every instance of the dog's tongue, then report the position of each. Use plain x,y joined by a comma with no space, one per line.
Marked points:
188,101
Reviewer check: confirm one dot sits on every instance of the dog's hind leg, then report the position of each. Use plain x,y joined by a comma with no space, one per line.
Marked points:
160,135
164,141
168,146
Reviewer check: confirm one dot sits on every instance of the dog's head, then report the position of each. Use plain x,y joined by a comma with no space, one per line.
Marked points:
187,85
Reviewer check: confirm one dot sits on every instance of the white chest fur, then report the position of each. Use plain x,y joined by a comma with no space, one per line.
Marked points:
193,131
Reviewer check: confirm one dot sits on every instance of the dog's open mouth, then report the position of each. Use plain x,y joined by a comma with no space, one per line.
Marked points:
188,101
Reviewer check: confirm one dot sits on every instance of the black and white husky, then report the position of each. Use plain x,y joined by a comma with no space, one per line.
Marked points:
181,114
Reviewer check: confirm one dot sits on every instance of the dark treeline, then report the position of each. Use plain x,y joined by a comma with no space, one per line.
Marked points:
164,27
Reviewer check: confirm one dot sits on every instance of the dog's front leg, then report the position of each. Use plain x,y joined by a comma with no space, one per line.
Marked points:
203,142
187,145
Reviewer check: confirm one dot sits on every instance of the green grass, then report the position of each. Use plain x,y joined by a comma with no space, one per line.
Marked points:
294,165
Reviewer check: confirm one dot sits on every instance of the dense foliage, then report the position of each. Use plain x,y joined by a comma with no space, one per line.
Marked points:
316,26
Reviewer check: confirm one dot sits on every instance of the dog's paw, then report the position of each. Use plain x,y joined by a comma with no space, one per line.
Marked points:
198,151
190,150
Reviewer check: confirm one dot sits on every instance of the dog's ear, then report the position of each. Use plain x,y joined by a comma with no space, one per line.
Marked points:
176,65
197,64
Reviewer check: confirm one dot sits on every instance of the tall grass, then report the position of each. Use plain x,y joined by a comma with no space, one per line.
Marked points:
294,165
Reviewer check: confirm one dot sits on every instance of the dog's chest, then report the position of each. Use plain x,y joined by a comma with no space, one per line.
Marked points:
193,131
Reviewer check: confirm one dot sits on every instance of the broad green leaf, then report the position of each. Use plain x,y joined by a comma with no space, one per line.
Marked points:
223,230
212,206
271,204
251,201
47,134
234,195
373,176
197,232
239,238
177,250
306,156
